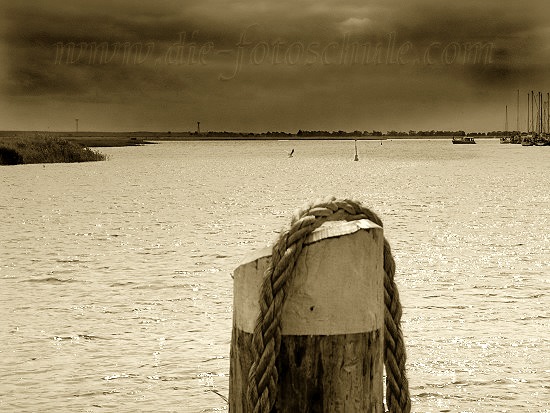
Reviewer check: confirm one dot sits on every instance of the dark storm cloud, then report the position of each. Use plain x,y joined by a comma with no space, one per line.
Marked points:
515,32
58,51
325,59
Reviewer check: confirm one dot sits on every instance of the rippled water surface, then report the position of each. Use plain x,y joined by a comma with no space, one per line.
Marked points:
115,277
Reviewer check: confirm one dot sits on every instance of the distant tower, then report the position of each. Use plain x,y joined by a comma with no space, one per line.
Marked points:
198,127
76,120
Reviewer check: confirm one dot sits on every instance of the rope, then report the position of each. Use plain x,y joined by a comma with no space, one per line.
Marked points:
266,339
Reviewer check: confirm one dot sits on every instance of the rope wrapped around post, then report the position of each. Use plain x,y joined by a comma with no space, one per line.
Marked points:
266,339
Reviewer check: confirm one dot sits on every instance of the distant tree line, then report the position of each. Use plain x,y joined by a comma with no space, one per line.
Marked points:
240,134
436,133
337,133
268,134
341,133
379,133
497,133
401,133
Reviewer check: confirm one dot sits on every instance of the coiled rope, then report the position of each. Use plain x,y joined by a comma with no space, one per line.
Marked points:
266,339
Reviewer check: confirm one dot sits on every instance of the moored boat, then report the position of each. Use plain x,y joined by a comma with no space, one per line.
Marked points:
541,140
527,140
468,140
516,139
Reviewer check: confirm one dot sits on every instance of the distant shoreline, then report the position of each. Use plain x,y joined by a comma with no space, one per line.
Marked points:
115,139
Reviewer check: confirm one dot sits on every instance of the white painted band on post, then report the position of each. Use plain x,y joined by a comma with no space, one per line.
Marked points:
337,288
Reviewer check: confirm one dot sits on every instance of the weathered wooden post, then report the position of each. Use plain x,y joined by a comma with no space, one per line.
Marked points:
332,323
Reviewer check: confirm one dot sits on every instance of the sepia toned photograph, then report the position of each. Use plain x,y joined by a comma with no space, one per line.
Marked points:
275,206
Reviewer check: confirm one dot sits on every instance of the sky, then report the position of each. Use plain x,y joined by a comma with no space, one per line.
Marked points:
257,65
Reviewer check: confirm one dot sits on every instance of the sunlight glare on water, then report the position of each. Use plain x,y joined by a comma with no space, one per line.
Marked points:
116,276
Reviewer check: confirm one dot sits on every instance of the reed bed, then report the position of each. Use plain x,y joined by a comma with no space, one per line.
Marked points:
44,149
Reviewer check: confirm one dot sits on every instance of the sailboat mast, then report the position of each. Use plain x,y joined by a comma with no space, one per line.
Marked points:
506,123
532,111
527,112
537,117
545,117
537,128
541,113
517,113
544,114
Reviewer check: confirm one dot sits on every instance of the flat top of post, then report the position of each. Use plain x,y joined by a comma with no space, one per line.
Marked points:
329,229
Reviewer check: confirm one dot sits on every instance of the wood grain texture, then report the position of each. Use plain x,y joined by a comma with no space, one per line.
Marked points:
337,373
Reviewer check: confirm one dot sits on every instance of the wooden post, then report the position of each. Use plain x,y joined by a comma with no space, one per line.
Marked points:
331,356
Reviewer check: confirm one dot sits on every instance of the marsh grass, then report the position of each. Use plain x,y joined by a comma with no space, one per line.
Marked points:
44,149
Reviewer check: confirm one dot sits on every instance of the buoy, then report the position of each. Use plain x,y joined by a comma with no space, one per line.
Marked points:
309,318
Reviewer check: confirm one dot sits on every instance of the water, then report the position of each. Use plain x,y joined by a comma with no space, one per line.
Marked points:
116,285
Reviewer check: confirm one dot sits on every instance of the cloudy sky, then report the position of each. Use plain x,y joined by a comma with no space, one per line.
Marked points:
257,65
